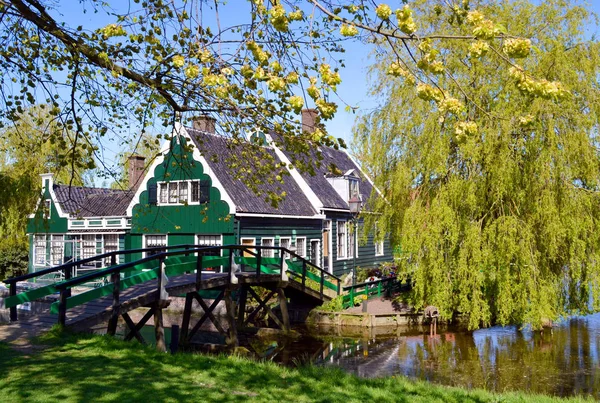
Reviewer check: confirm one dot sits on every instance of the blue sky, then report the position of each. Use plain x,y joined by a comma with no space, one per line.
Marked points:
353,89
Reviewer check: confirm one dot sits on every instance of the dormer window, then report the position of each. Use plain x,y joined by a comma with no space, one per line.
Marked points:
353,188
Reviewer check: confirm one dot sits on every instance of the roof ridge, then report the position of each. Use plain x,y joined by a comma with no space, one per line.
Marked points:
91,188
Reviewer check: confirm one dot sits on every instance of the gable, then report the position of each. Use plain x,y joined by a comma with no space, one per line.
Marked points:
57,222
178,165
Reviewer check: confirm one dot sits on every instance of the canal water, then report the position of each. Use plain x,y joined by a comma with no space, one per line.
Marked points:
563,361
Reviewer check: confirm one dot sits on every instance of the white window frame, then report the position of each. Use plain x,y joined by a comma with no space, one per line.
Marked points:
302,252
379,248
39,240
267,252
356,183
288,239
319,257
179,201
197,242
345,239
145,241
352,240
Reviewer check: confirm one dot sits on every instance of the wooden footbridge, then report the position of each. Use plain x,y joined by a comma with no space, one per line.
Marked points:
181,270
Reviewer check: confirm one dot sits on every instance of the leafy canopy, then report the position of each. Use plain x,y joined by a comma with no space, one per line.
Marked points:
492,184
252,65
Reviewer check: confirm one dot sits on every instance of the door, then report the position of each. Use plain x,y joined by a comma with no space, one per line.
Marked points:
315,253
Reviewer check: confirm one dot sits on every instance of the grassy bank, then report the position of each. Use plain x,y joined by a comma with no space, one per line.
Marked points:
76,368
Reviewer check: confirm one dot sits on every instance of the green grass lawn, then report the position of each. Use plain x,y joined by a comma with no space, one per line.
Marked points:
81,368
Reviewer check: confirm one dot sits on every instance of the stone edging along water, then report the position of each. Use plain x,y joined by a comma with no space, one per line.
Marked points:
323,318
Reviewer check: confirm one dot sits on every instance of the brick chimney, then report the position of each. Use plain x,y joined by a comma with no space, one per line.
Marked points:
310,118
136,171
204,123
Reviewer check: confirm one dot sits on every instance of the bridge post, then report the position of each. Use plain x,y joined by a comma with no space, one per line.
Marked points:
13,309
232,336
198,271
68,273
284,309
242,304
116,305
161,302
62,307
159,330
185,323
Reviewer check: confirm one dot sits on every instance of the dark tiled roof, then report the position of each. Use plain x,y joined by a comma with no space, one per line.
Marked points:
319,183
220,151
92,202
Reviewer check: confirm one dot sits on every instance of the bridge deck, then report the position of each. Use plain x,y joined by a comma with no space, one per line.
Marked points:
98,311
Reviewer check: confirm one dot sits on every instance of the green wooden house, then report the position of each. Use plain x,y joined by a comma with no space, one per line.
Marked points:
191,194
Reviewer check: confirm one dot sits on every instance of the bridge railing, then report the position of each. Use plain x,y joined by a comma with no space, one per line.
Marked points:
368,289
67,269
302,271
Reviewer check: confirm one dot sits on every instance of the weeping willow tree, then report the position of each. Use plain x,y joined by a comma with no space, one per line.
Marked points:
491,178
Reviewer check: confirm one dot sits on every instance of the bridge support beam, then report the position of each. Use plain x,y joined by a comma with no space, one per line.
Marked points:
283,323
232,336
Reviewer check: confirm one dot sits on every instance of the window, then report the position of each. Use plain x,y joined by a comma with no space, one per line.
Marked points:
315,252
47,209
353,188
379,248
351,234
342,239
154,241
270,242
182,192
301,246
88,246
204,191
56,250
210,240
195,192
39,250
163,193
173,192
111,244
285,243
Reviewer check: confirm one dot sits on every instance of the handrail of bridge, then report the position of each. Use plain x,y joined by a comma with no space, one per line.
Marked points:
66,266
368,289
114,272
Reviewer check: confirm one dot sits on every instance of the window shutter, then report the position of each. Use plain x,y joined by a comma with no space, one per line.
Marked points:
152,193
204,191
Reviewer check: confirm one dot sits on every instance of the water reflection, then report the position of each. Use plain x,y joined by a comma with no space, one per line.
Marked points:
560,362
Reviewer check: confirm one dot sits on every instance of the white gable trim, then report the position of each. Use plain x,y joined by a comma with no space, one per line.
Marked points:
363,172
165,148
207,169
59,209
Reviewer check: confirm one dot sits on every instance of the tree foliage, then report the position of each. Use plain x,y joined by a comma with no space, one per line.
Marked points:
34,146
148,62
492,184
